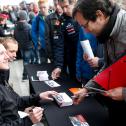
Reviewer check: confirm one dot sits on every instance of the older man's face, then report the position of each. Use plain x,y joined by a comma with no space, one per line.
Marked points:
94,27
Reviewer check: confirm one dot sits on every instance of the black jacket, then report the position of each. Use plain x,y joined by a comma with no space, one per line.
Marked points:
11,103
56,38
22,34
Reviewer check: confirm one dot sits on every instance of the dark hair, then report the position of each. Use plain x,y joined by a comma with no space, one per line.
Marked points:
88,8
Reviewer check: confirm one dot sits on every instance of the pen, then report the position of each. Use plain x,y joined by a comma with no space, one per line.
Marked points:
96,89
31,110
86,94
75,97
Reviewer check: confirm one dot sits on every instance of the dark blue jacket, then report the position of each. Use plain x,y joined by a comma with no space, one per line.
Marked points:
22,34
70,31
56,38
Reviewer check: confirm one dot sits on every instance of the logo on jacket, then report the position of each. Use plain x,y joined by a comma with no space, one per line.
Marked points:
70,29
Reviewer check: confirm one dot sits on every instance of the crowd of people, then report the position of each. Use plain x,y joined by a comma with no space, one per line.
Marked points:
44,34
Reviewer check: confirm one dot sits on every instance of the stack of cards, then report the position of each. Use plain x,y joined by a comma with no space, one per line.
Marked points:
42,75
63,99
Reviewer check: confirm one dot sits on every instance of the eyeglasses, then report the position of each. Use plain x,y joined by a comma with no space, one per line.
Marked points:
86,24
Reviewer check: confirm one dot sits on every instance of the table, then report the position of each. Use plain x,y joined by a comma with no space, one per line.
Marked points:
90,108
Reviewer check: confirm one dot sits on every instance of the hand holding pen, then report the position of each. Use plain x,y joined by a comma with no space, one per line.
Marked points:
86,91
35,114
79,96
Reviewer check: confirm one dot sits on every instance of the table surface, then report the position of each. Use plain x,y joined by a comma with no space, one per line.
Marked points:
90,108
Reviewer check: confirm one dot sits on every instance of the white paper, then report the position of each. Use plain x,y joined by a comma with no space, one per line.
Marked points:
52,83
41,72
63,99
22,114
87,48
42,75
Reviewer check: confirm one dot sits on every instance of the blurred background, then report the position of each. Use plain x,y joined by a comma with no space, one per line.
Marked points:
16,2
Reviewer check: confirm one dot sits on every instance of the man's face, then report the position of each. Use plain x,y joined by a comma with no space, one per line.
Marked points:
12,50
58,8
65,6
31,7
94,27
43,9
3,54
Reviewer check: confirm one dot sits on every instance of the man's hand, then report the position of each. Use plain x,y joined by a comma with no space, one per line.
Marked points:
48,95
79,96
56,73
36,114
92,62
115,94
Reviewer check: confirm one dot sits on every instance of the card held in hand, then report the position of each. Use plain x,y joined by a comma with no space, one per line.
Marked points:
63,99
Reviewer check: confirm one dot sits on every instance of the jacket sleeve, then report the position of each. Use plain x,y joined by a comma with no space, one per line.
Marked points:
59,51
47,40
124,94
91,83
18,122
79,60
2,32
34,32
10,117
26,101
57,45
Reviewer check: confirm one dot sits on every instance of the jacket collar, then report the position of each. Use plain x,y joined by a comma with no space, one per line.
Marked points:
104,36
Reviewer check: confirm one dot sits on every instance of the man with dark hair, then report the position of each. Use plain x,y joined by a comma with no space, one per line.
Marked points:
107,21
70,32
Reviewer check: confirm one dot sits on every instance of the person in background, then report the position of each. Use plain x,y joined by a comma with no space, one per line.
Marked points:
40,34
70,33
23,6
31,17
54,23
13,16
107,21
11,102
33,8
4,30
22,34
